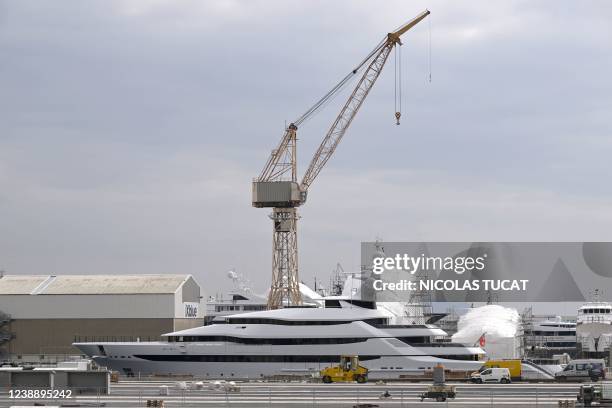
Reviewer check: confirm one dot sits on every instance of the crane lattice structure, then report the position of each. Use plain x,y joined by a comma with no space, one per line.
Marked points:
277,186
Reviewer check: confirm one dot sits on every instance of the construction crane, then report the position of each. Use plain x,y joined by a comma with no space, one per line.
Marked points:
277,187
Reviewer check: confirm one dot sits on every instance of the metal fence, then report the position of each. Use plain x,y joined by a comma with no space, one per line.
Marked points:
295,395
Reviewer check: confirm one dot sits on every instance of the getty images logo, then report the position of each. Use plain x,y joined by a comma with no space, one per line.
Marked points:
411,264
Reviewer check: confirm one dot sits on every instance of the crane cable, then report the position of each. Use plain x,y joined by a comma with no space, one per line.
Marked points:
339,86
429,22
398,75
323,102
398,84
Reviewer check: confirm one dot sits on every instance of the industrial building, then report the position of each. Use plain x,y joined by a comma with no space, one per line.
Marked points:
42,315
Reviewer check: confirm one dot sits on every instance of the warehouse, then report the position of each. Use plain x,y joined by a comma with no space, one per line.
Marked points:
42,315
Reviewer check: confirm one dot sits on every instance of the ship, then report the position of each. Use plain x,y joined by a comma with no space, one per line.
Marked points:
291,341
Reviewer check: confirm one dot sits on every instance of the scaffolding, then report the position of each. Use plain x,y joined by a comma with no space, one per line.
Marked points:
535,345
418,310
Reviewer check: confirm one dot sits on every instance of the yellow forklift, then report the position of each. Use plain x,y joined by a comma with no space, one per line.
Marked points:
348,370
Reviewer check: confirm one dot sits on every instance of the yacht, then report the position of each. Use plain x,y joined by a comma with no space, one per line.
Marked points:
594,328
551,336
291,341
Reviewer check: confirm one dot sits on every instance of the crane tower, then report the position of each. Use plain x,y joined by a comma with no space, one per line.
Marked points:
277,185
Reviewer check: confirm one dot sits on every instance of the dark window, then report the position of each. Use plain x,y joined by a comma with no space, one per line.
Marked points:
249,358
561,344
254,307
459,357
415,340
239,320
280,342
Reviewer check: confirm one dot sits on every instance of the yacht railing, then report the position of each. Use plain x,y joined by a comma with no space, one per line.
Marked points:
595,319
114,339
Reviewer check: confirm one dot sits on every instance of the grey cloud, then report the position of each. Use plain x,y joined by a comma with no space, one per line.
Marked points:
130,131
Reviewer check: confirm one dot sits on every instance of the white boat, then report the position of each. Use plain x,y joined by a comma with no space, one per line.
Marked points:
594,328
551,335
290,341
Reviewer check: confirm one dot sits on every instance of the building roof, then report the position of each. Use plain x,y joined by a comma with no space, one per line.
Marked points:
20,284
90,284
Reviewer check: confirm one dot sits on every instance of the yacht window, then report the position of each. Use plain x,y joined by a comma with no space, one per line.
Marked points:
254,307
467,357
287,322
275,341
415,339
257,358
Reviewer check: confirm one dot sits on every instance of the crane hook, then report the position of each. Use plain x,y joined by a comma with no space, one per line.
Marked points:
397,117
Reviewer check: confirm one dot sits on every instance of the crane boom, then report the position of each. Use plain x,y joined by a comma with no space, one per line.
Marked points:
346,116
354,102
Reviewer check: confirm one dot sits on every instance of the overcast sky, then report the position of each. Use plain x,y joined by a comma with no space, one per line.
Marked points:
130,131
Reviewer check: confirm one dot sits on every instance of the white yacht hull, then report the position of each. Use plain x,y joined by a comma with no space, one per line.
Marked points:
159,358
253,371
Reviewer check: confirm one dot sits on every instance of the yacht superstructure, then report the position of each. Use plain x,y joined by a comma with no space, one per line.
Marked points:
550,336
290,341
235,303
594,328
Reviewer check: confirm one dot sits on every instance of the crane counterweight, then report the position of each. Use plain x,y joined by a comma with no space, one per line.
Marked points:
281,194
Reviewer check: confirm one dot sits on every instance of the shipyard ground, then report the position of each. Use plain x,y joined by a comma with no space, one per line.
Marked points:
136,393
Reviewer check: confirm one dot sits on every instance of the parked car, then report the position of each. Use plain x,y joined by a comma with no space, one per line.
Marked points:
489,375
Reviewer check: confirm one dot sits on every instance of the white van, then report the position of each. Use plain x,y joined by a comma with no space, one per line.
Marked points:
583,370
496,375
